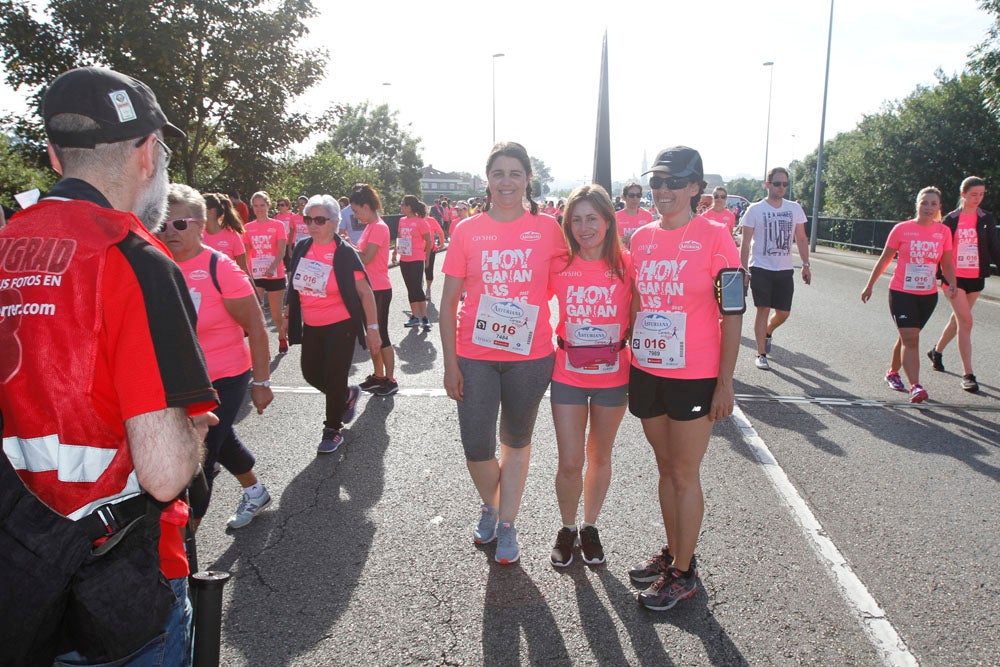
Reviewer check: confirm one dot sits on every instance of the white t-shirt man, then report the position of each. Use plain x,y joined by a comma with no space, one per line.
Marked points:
350,225
774,233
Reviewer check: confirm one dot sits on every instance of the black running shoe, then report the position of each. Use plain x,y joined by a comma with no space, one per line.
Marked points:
650,570
370,383
969,383
562,552
590,546
669,589
937,360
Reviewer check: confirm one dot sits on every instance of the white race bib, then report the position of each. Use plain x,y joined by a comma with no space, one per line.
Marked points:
919,277
658,339
404,246
968,256
260,264
195,299
593,334
505,324
311,277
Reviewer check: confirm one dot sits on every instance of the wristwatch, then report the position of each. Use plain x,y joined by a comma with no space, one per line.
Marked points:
805,263
373,327
262,383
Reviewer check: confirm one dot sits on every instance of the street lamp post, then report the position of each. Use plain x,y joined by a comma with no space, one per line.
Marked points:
822,137
767,135
495,56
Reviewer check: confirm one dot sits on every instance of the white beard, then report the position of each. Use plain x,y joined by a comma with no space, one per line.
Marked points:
151,209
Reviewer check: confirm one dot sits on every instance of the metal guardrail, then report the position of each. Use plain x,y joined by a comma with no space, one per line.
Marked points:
853,233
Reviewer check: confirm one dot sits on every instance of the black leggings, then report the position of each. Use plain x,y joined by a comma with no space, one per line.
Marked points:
413,276
429,269
383,297
327,352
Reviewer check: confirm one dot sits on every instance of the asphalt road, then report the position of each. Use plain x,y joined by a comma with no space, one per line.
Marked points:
365,556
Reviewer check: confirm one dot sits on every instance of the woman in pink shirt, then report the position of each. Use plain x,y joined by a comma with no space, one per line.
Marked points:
632,217
437,245
590,379
921,245
498,352
683,358
413,249
330,308
226,305
374,248
224,230
266,239
977,243
718,212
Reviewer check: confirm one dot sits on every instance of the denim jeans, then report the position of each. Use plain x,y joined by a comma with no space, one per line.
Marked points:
172,648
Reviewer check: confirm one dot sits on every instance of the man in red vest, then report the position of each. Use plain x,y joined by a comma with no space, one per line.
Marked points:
103,388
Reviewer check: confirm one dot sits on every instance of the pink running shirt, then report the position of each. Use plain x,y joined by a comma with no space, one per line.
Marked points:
724,216
591,297
221,337
966,242
412,228
509,261
627,224
674,271
262,239
226,241
918,252
317,310
378,269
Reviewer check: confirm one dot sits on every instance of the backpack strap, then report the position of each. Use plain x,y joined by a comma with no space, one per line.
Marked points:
213,270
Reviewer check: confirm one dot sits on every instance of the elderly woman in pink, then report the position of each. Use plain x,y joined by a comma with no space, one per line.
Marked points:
266,239
227,307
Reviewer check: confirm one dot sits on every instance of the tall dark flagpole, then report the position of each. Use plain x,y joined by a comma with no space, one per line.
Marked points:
602,144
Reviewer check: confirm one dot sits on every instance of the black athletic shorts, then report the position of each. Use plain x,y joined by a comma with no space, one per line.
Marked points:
270,284
772,289
682,400
970,285
911,311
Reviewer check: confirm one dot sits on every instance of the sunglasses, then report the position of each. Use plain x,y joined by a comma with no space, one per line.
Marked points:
718,196
671,182
780,184
318,220
633,195
180,224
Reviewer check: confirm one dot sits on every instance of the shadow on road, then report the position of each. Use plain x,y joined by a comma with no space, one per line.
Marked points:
294,570
513,604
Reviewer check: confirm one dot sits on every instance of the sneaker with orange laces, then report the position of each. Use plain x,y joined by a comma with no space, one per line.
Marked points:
917,394
894,381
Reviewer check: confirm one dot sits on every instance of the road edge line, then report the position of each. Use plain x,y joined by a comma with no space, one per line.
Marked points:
866,609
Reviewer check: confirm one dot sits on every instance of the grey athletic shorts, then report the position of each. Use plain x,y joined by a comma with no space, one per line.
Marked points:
607,397
513,389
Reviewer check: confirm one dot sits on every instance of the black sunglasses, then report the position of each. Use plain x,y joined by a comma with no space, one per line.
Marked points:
780,184
672,182
718,196
633,195
318,220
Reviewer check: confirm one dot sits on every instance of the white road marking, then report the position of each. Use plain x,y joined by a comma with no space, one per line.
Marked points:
867,610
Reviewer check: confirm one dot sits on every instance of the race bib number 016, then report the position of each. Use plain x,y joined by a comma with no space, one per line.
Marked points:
260,264
919,277
658,339
505,324
311,277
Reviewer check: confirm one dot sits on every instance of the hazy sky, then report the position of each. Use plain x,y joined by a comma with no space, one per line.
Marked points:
680,73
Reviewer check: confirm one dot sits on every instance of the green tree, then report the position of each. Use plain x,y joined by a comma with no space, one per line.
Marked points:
751,188
371,139
223,71
935,136
540,178
325,171
18,173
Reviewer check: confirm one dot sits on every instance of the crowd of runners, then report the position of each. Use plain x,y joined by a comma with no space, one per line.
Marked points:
639,324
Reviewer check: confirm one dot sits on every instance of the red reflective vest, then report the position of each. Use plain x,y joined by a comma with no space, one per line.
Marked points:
52,260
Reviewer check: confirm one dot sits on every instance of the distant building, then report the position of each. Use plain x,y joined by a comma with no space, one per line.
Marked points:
434,183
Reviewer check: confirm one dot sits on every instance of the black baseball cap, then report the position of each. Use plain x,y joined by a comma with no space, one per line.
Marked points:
679,161
124,108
